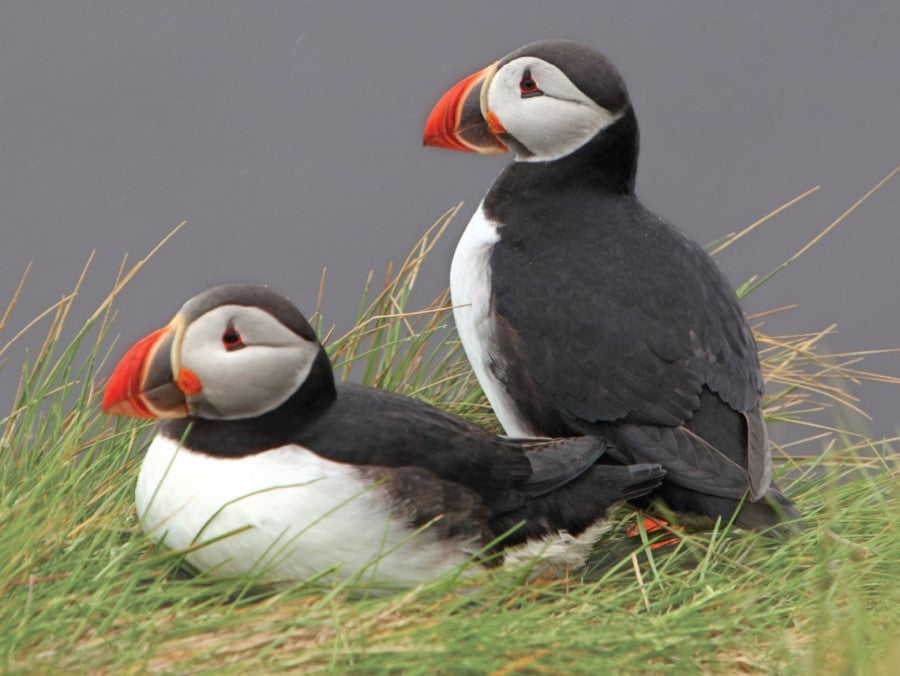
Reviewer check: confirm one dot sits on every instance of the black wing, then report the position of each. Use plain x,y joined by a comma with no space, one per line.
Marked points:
436,465
422,500
368,427
566,490
581,502
611,314
556,462
372,427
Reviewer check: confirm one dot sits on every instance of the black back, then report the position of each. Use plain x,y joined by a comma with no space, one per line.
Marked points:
610,320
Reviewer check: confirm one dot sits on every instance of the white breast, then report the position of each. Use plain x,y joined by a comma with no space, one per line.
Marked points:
470,291
283,514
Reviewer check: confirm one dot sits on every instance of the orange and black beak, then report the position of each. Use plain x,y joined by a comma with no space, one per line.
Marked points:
143,384
460,120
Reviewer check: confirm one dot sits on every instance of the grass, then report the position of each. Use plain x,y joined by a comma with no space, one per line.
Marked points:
83,589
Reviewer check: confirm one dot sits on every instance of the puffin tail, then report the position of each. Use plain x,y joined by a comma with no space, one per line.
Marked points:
582,502
618,483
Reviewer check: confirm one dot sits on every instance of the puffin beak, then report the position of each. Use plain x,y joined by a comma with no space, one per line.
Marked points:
143,385
459,121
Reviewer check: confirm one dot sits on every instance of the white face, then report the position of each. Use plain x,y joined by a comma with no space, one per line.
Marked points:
247,362
550,124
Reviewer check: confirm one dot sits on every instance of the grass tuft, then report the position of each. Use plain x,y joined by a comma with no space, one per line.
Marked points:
84,590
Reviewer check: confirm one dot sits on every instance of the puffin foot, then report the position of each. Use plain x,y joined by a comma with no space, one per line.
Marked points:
653,525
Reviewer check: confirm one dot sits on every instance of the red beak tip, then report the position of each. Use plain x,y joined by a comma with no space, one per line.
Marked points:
442,141
112,396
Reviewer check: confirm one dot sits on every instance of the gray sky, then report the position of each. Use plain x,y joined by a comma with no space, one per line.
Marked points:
288,134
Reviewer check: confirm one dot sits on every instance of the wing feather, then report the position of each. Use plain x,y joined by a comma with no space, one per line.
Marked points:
621,318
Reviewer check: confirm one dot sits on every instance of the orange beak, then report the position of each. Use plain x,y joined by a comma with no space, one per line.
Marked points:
142,384
458,122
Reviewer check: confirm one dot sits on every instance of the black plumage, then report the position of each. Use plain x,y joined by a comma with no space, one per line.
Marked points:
608,320
433,463
621,325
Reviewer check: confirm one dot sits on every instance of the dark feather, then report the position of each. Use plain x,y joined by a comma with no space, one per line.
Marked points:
433,463
609,315
575,508
611,321
557,462
418,498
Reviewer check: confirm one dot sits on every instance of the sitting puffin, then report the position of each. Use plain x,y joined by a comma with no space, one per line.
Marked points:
581,311
267,467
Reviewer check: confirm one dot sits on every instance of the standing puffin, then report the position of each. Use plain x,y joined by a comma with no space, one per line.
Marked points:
584,313
266,466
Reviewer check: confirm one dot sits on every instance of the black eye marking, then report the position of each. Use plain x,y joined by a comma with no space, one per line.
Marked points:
232,340
528,87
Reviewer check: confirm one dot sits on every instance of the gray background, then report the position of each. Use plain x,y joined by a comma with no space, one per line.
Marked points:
288,134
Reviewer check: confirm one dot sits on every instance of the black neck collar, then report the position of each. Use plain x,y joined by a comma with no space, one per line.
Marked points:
246,436
608,162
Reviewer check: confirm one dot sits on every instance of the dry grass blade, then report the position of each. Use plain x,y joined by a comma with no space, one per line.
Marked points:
407,273
753,284
36,320
810,377
15,297
120,284
731,239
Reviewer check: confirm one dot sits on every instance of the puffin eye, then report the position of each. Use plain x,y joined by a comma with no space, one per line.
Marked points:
232,340
528,87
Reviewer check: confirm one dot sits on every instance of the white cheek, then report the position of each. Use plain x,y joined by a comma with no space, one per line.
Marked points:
550,126
248,382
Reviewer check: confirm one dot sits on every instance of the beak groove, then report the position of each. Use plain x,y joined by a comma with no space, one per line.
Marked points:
456,122
142,385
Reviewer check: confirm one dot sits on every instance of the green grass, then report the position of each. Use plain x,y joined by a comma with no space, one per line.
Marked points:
82,589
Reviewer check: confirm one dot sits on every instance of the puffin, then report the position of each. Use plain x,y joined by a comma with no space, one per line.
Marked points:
263,465
582,312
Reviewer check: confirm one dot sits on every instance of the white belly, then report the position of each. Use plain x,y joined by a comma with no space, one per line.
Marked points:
283,514
470,292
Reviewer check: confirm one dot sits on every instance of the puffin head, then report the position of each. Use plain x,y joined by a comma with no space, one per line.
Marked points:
544,101
234,351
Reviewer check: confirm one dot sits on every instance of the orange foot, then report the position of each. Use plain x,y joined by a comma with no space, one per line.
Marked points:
651,525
